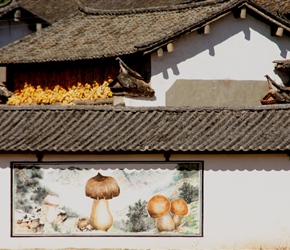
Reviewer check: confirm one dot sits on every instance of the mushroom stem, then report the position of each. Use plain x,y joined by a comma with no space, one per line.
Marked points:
101,217
51,203
165,223
176,219
51,212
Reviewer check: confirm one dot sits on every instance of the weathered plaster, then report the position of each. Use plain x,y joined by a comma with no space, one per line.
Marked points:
216,93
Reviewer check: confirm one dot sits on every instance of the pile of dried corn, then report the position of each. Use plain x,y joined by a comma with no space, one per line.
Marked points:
30,94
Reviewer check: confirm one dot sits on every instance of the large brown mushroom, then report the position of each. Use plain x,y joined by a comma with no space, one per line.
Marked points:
178,209
158,208
101,189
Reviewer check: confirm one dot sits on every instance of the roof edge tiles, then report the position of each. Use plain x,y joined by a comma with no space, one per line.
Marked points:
94,129
142,108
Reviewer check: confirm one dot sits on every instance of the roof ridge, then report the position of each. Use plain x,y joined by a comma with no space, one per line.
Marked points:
142,109
267,12
7,6
7,3
181,6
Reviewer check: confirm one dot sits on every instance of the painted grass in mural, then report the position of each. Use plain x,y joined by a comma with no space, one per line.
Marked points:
114,199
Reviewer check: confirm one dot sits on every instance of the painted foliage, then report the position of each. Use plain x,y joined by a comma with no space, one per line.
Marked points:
114,199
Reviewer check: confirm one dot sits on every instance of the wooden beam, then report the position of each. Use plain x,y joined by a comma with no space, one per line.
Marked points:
243,13
2,74
160,52
170,47
38,26
17,15
207,29
279,31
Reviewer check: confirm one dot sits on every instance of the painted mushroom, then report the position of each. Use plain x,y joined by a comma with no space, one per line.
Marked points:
158,208
178,209
101,189
51,203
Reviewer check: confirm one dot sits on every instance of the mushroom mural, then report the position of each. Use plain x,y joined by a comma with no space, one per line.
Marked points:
178,209
158,208
101,189
51,203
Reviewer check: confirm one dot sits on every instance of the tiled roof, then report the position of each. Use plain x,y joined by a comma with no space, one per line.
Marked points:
98,33
96,36
120,7
125,5
50,10
276,7
126,129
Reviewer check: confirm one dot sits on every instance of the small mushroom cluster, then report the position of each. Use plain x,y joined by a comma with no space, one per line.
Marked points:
167,214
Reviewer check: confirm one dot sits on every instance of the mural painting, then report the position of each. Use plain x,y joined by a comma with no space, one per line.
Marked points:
107,199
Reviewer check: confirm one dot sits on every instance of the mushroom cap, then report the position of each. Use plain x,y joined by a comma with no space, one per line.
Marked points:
51,199
179,207
102,187
158,206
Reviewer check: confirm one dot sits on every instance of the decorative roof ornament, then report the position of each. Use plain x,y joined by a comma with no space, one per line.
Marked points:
4,93
130,83
277,93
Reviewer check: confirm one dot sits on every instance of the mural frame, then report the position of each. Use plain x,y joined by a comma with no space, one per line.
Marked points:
165,169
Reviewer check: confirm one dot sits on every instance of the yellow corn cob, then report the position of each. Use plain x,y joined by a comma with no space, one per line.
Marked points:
29,94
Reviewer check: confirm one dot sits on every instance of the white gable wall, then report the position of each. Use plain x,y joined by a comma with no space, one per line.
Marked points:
246,205
236,49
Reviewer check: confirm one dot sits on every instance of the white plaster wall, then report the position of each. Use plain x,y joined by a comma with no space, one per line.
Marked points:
237,49
246,206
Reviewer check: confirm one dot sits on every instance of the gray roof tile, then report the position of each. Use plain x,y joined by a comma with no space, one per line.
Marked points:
105,30
50,10
279,8
93,35
127,129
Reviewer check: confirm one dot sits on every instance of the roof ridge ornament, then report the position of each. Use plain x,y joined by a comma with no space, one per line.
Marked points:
130,83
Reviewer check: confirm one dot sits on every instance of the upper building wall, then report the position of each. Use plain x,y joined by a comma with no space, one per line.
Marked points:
235,49
11,31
